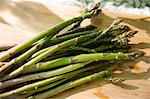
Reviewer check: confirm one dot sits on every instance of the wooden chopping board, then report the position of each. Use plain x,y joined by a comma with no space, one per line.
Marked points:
20,26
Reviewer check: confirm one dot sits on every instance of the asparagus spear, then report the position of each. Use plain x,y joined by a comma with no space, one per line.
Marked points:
49,52
57,40
34,86
112,48
72,84
61,39
80,49
46,81
41,51
120,41
22,57
106,31
32,50
52,73
71,48
82,29
59,55
23,79
81,58
119,30
48,86
123,39
49,32
76,25
30,92
116,30
36,47
76,59
91,69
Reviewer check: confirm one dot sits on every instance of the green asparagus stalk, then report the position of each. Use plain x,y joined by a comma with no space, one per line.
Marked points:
110,46
48,86
46,81
34,86
41,51
41,76
11,82
117,29
118,42
115,38
123,39
72,49
22,57
80,49
59,40
59,55
106,31
76,59
76,25
72,84
53,72
49,52
82,29
67,52
49,32
63,51
81,58
94,68
104,47
30,92
28,53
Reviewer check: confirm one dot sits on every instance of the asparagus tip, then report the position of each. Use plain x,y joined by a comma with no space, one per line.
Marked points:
117,21
130,34
115,80
95,9
137,54
96,6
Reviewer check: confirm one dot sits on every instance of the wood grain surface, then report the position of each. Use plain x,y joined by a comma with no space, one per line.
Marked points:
20,21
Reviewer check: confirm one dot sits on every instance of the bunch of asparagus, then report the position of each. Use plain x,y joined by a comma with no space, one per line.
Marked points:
50,63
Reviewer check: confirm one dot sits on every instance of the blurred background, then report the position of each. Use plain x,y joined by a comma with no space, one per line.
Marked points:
126,6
